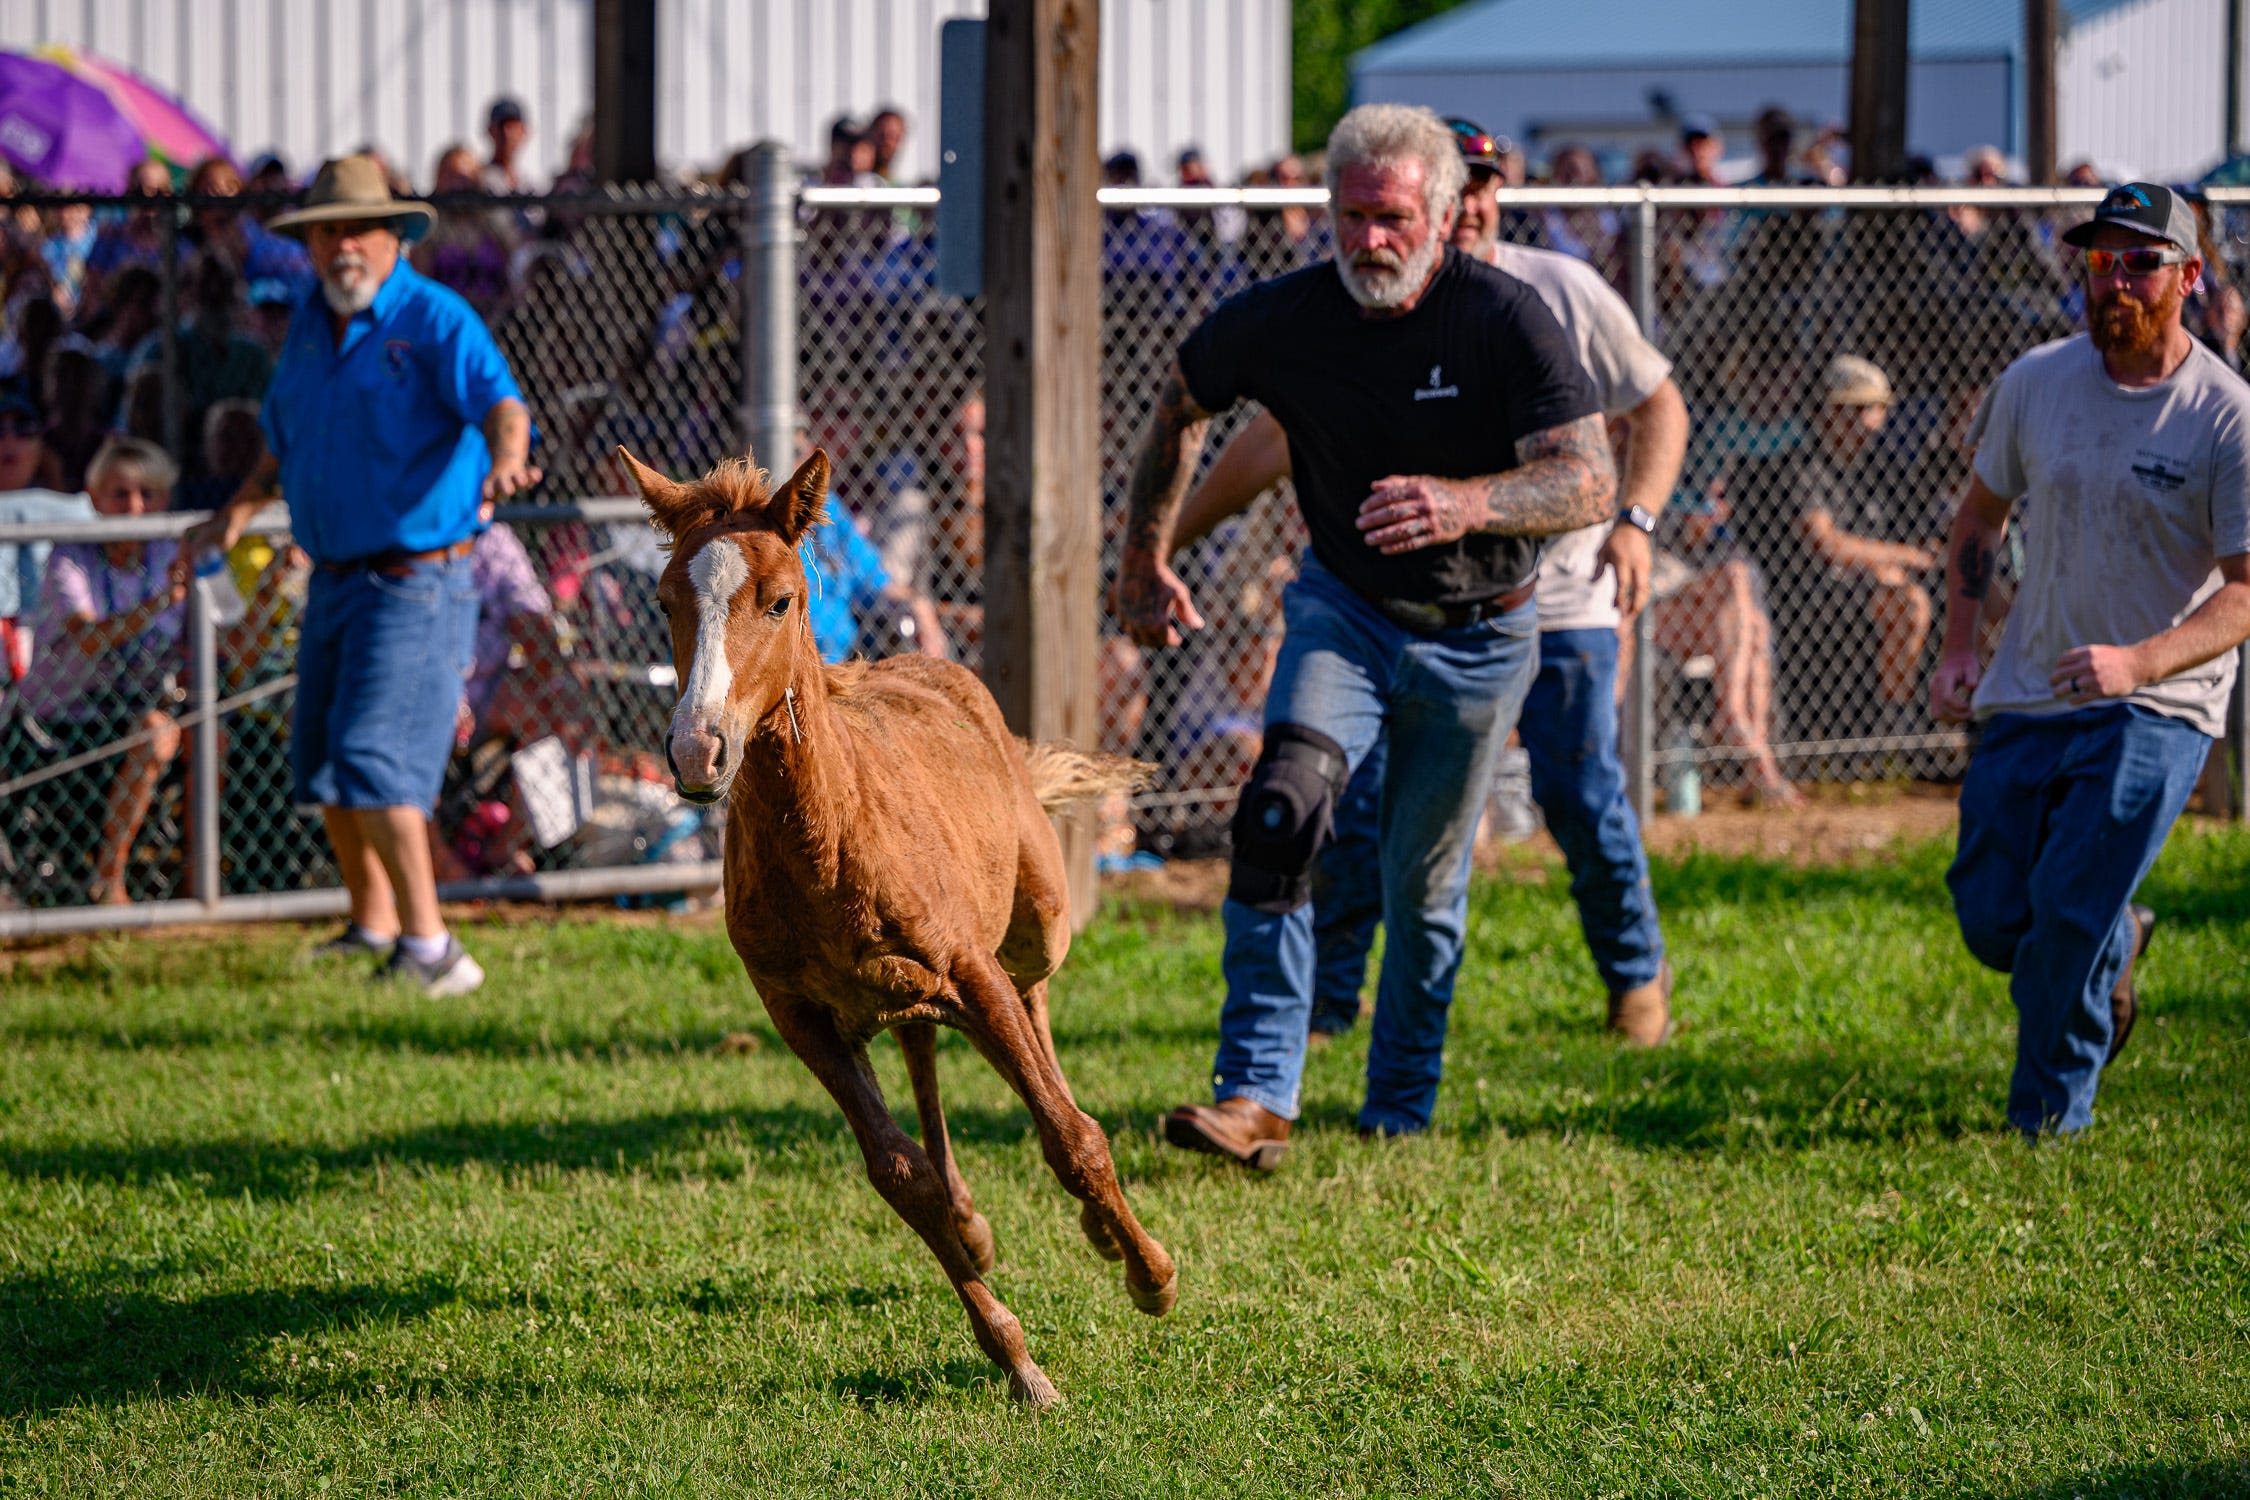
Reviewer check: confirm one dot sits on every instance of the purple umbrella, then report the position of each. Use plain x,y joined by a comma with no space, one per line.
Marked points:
62,130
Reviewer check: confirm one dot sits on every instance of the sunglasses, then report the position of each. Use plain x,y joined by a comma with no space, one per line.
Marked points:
20,425
2134,262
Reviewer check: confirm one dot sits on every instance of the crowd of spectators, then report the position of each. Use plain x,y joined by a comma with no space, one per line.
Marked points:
1797,557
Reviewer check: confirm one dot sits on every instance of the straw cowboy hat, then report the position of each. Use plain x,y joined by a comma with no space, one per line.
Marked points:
349,188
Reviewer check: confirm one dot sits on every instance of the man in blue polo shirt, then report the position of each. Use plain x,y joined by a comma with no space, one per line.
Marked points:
391,424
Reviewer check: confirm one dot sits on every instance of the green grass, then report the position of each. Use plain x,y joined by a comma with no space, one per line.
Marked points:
264,1233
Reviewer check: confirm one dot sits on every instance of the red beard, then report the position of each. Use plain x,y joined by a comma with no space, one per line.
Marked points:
2127,325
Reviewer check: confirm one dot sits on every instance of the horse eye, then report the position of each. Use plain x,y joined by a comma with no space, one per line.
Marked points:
780,606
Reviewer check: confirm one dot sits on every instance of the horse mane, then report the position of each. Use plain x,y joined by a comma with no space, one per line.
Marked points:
845,677
733,485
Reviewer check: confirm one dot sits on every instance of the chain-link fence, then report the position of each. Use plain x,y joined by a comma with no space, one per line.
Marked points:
1798,583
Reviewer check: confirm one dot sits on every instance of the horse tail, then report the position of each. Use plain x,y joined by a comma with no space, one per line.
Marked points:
1063,773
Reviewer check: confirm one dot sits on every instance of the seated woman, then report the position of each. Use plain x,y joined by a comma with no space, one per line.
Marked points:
108,631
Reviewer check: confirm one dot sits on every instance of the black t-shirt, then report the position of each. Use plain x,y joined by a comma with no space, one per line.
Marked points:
1448,390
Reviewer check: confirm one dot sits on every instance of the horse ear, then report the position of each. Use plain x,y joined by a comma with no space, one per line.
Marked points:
665,499
803,500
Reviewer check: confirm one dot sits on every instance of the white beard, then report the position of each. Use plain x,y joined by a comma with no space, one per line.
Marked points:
1381,290
355,298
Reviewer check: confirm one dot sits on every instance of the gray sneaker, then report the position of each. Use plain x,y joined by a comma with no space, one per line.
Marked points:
347,944
454,974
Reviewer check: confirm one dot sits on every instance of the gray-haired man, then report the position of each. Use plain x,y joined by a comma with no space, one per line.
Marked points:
1439,424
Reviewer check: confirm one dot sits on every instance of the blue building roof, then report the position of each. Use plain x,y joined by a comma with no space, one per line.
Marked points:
1632,33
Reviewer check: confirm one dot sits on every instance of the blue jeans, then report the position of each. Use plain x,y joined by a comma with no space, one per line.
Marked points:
1569,729
1445,703
2061,817
381,661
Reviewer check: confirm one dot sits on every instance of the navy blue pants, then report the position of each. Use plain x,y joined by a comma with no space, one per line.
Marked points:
1569,729
2061,817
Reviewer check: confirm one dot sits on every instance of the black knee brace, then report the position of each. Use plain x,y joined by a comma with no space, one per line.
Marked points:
1284,816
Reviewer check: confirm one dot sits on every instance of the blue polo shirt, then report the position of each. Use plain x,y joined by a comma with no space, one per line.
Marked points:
380,436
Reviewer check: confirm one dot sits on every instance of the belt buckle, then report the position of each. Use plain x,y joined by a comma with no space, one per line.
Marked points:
1414,614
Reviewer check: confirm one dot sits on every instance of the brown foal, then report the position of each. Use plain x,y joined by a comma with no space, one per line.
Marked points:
889,865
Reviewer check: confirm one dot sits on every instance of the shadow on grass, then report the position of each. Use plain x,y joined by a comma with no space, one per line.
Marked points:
913,1387
424,1035
2192,1480
62,1343
1671,1102
679,1143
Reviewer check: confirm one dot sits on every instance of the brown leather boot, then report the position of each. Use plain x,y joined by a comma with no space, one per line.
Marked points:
2124,999
1238,1129
1643,1014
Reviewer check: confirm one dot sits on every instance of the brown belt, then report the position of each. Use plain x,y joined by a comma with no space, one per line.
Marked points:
396,564
1432,619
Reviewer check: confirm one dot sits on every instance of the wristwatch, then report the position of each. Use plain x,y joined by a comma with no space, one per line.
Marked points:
1635,516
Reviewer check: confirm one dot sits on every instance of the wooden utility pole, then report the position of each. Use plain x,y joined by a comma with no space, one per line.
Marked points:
1042,372
2039,90
625,90
1878,89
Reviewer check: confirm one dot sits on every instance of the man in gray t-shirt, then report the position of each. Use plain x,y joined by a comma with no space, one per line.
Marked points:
2128,450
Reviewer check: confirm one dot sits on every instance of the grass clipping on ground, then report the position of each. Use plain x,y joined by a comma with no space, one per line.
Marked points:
269,1231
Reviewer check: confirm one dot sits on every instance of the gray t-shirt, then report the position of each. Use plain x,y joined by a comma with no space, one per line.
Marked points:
2128,499
1626,370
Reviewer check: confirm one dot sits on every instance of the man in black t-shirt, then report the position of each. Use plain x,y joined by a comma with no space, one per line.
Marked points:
1439,425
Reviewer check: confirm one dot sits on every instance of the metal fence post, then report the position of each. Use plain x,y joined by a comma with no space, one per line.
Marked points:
768,314
203,769
2240,733
1640,693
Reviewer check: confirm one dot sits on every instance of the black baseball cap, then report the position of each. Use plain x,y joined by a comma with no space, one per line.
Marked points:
1480,148
504,111
2146,206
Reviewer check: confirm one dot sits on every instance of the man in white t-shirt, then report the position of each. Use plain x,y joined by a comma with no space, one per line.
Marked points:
2128,450
1591,583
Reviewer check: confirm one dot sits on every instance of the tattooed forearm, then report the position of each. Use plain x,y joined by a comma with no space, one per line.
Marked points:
1972,567
1175,437
1565,480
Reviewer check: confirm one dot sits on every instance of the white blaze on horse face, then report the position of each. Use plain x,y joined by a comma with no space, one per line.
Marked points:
718,572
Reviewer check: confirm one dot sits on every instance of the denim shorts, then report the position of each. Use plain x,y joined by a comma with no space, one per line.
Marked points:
381,660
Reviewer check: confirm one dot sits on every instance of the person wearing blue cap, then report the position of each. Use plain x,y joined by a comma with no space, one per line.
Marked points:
2130,445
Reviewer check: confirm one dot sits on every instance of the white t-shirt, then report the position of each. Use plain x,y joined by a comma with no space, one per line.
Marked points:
2128,499
1626,370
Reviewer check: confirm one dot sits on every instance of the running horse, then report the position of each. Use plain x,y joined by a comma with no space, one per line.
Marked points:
889,865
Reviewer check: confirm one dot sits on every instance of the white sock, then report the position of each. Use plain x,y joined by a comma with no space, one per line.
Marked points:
423,950
372,938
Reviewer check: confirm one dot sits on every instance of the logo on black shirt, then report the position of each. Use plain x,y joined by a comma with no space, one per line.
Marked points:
1435,390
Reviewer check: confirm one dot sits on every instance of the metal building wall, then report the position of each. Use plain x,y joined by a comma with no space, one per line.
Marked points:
318,77
2141,90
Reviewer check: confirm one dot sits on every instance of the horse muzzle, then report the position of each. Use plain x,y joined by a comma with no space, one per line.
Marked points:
708,754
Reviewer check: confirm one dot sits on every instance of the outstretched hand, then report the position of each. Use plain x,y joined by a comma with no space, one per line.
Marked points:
1151,602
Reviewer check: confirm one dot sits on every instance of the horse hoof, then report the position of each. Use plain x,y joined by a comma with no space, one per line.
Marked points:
1156,1301
1098,1233
1030,1387
976,1234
